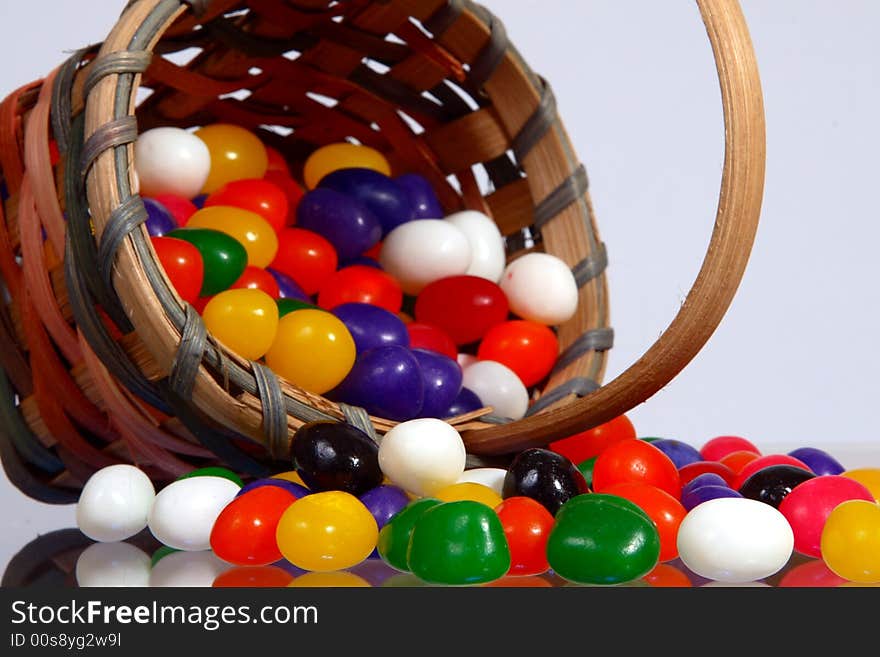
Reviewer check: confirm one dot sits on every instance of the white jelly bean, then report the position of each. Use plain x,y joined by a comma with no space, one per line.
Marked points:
488,257
466,360
112,564
497,386
491,477
735,540
171,161
420,252
540,287
187,569
422,455
184,512
114,503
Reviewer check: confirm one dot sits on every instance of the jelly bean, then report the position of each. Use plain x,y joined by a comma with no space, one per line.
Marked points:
180,208
114,503
635,460
312,350
244,532
466,360
386,381
287,287
188,569
488,256
335,580
602,539
360,284
739,459
199,201
214,471
812,574
385,199
236,154
586,468
679,452
286,306
394,538
735,540
306,257
384,502
327,531
818,460
294,489
423,251
343,155
765,461
772,484
336,456
426,336
868,477
705,479
693,470
112,564
344,221
591,442
850,541
422,455
528,348
275,161
441,377
692,498
159,220
363,261
421,195
254,278
185,510
253,577
252,231
527,525
808,506
372,326
720,446
491,477
255,195
466,401
161,553
223,256
374,571
291,476
665,576
519,582
665,511
499,387
464,307
171,160
292,192
475,548
544,476
540,287
245,320
468,491
182,263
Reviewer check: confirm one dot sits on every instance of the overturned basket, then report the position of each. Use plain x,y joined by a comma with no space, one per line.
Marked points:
102,362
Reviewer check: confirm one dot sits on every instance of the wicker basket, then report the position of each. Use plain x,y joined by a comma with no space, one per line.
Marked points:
102,362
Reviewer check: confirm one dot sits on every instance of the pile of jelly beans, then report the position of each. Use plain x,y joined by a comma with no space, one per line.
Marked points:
602,507
351,283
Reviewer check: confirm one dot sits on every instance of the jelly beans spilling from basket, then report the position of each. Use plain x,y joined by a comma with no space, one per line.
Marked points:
352,512
311,277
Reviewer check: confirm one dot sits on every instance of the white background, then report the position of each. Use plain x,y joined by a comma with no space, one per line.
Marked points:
795,362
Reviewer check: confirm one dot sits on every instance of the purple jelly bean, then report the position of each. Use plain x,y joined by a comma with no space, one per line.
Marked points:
421,195
291,487
442,378
705,479
818,460
692,498
288,567
374,570
386,381
287,287
372,326
466,402
679,452
366,261
159,220
386,199
342,220
199,201
384,501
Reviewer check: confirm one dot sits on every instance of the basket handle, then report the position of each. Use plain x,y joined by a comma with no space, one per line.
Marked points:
736,221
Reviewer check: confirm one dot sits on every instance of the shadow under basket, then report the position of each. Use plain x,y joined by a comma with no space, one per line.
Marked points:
101,361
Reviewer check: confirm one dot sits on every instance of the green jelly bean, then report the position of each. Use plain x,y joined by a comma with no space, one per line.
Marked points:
224,257
287,305
459,543
602,539
586,468
214,471
394,537
163,551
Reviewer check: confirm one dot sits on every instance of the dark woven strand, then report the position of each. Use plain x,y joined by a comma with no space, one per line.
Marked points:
444,17
360,419
18,433
488,59
589,268
231,36
601,339
123,220
61,112
193,342
118,132
274,412
579,386
537,124
570,190
125,61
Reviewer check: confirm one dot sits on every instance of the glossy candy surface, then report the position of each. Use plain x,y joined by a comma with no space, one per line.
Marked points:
635,461
306,257
868,477
236,154
441,378
528,348
244,532
213,471
184,512
739,459
692,498
488,257
342,155
850,541
591,442
527,525
491,477
342,220
499,387
384,502
361,284
540,287
679,452
466,401
159,219
224,258
772,484
763,462
114,503
183,265
544,476
465,307
372,326
393,543
287,287
253,577
312,349
286,306
245,320
422,455
291,487
818,460
720,446
427,336
256,195
179,207
693,470
170,160
248,228
336,456
421,196
472,491
420,252
665,511
384,197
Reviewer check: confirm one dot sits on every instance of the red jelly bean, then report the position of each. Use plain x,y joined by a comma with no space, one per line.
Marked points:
183,265
361,284
664,509
528,348
244,532
739,459
695,469
635,461
277,162
812,574
527,526
666,576
255,278
180,208
763,462
720,446
425,336
257,195
587,444
308,258
253,577
464,307
292,191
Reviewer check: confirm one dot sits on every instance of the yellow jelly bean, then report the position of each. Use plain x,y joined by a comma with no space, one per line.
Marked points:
236,154
292,475
343,155
469,491
313,350
327,531
335,579
254,233
245,320
868,477
850,541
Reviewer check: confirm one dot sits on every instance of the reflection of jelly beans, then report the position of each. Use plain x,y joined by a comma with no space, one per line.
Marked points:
850,541
586,444
336,456
244,320
527,525
361,284
544,476
636,460
468,491
342,155
244,532
812,574
183,265
223,256
335,580
256,195
465,307
236,154
306,257
720,446
253,577
528,348
666,576
664,510
252,231
327,531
